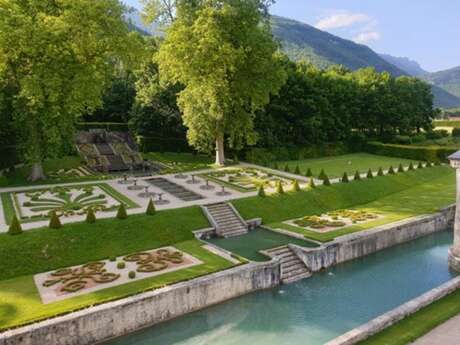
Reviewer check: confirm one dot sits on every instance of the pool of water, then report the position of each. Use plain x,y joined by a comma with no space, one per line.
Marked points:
315,310
249,245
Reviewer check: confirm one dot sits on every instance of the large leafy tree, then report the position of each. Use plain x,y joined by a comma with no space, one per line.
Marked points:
55,60
223,53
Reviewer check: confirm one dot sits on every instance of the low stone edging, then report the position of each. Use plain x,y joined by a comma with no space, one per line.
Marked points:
390,318
118,318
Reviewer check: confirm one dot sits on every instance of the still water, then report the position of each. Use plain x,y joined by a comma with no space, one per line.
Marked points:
316,310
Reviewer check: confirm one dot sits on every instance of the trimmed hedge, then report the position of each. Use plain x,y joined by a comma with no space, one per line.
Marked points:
419,153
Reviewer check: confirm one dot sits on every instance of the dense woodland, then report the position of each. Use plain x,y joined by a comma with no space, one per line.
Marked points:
147,82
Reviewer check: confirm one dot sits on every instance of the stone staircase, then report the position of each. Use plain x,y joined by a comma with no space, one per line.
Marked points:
292,268
226,220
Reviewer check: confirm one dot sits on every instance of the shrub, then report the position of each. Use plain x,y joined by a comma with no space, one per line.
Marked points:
418,153
369,174
55,222
121,213
132,274
326,181
380,172
286,168
309,173
113,259
322,175
295,186
437,163
279,188
411,166
275,166
15,227
121,265
150,208
420,165
418,138
345,178
261,191
456,132
90,216
357,176
437,134
429,164
403,139
312,183
297,170
391,171
401,168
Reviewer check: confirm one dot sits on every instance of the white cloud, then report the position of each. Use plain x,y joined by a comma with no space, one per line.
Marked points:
367,37
342,20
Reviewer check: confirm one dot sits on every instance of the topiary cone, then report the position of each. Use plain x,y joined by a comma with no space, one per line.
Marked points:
15,227
295,186
90,216
391,171
286,168
55,222
261,191
357,176
411,166
121,213
345,178
369,174
322,175
400,168
312,184
150,208
279,188
380,173
309,173
297,170
326,181
420,165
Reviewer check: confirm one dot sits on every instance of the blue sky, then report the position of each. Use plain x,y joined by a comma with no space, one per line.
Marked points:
424,30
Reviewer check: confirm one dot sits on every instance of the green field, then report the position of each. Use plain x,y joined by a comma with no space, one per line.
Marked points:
335,166
396,197
418,324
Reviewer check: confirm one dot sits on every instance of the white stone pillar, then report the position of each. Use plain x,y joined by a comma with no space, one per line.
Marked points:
454,253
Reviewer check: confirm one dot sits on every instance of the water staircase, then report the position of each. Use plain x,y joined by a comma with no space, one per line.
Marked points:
292,268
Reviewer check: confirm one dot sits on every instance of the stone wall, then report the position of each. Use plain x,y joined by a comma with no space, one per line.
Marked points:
370,241
121,317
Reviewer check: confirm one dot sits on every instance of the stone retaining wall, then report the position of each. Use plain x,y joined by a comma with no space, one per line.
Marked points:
121,317
370,241
386,320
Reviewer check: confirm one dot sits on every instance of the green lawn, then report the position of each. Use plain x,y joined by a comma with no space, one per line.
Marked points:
19,177
21,303
180,162
335,166
395,196
418,324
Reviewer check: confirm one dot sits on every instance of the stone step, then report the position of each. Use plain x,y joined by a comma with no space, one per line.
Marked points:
296,278
234,233
294,268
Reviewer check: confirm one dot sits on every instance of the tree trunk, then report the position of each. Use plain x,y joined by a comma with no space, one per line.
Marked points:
37,172
220,153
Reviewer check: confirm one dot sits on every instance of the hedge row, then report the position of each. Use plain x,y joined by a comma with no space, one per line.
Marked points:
109,126
419,153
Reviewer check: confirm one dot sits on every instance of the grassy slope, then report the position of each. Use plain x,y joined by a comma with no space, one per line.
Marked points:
418,324
45,249
336,166
21,304
399,196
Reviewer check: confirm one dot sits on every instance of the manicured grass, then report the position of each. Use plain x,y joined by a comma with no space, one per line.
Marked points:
396,196
335,166
455,124
42,250
20,176
21,303
179,162
117,195
418,324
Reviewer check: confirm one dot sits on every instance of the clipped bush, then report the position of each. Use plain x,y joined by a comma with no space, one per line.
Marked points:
297,170
411,166
279,187
55,222
121,265
90,216
437,163
150,208
309,173
456,132
380,172
261,191
322,175
15,227
429,164
370,174
121,213
401,168
312,184
286,168
295,186
391,171
345,178
132,274
326,181
113,259
357,176
420,165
